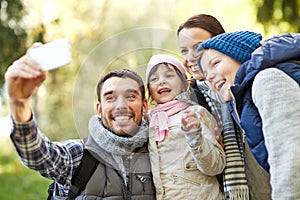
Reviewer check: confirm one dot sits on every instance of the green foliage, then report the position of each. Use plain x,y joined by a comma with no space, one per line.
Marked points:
17,181
278,16
23,185
88,24
93,23
13,35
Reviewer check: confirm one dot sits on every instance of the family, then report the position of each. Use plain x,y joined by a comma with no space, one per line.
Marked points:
232,131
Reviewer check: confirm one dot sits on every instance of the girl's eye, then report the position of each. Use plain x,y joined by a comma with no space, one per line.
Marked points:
183,51
152,79
170,75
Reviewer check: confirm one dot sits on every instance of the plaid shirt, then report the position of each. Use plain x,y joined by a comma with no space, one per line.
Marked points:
53,160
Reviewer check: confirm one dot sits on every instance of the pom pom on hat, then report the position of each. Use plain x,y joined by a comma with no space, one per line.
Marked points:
164,58
239,45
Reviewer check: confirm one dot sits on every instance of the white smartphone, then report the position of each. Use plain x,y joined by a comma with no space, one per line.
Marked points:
53,54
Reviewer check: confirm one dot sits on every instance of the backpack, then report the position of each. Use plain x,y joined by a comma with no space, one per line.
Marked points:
80,177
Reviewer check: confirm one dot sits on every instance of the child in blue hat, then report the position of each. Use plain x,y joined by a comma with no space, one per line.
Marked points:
259,80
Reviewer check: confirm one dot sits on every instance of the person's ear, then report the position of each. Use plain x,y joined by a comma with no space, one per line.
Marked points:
145,107
98,108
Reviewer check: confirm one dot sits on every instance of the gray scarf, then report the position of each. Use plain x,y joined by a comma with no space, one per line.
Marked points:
188,96
110,147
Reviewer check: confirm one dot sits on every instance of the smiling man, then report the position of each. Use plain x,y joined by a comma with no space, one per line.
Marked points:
117,139
121,104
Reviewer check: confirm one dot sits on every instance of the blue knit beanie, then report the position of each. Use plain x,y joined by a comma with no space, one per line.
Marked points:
239,45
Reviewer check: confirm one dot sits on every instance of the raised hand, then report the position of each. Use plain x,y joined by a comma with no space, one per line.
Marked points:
22,80
190,121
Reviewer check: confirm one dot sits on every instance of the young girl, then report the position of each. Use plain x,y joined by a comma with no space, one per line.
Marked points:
185,156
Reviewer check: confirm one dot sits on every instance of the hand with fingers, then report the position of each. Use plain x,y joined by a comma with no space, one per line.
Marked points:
24,77
22,80
190,121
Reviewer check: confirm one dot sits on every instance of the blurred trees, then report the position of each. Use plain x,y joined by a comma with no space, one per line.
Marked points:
111,34
278,16
87,24
12,35
96,29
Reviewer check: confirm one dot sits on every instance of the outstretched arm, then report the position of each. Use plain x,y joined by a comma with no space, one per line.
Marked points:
23,79
54,160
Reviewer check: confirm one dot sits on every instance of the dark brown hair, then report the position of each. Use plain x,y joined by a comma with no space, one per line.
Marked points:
204,21
123,73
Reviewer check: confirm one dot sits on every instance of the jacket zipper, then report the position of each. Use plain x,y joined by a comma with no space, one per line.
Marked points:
126,183
128,177
143,179
124,187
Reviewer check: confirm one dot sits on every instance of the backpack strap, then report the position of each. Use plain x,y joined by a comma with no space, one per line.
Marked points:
82,174
50,190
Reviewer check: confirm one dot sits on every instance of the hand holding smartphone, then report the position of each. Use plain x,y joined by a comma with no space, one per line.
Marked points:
53,54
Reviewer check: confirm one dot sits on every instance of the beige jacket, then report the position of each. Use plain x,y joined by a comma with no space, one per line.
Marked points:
182,172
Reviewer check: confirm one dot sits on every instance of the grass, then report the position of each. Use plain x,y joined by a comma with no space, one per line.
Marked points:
18,182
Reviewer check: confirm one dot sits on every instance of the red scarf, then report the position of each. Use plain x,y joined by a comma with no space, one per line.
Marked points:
160,114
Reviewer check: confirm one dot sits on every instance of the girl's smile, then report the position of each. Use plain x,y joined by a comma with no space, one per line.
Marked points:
165,84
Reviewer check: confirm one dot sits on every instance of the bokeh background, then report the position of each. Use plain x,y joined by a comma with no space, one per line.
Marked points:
104,35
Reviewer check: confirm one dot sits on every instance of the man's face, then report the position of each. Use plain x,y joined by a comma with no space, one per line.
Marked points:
121,107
